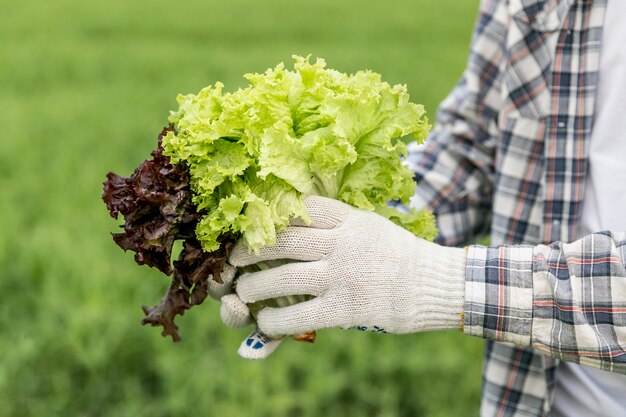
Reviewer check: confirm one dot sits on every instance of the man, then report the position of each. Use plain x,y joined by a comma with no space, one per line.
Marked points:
528,145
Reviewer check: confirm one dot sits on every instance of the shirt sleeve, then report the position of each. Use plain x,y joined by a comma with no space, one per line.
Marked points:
567,300
454,170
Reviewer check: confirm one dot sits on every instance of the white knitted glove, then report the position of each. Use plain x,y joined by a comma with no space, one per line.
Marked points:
235,313
219,289
363,270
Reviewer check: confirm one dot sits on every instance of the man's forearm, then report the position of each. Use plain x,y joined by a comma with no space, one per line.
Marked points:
566,299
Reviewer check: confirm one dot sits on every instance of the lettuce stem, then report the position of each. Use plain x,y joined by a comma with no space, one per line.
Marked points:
284,301
328,186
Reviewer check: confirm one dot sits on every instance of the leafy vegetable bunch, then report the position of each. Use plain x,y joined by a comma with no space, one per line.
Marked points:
238,165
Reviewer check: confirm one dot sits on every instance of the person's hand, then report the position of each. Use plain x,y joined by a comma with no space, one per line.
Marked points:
235,313
362,270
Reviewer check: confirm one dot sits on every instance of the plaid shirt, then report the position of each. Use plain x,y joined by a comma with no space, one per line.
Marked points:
509,154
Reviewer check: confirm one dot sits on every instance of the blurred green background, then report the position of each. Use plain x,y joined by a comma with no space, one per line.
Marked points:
85,87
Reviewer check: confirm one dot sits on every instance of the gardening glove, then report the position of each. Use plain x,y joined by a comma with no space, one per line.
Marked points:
234,312
363,271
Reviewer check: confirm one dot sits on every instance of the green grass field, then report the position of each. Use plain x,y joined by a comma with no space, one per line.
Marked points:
84,89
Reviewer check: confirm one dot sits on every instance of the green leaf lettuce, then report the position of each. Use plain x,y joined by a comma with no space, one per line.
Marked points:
255,153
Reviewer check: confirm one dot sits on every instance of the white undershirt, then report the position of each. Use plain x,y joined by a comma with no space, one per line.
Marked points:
582,391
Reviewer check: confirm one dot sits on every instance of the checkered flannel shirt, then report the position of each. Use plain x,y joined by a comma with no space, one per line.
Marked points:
509,155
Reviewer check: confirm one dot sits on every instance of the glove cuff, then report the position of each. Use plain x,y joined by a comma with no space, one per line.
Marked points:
441,277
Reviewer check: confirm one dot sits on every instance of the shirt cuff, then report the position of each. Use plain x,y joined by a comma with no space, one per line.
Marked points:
499,293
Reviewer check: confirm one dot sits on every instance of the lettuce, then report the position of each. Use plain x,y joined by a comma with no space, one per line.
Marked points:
238,165
156,202
254,154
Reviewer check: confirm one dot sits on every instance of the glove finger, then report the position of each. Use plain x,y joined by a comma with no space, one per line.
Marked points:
299,243
258,346
326,213
298,278
234,312
296,319
218,290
